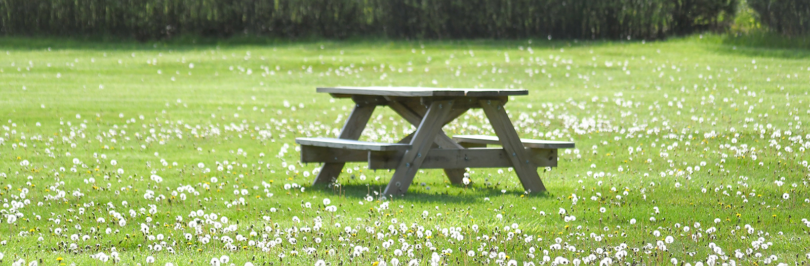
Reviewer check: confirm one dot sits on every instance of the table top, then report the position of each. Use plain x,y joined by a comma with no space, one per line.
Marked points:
422,92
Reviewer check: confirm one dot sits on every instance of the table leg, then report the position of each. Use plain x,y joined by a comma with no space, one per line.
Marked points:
455,175
526,171
421,142
351,130
415,117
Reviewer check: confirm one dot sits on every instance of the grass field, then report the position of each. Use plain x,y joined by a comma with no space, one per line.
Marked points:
690,151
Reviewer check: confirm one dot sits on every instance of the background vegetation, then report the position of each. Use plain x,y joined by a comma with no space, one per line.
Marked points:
788,17
152,19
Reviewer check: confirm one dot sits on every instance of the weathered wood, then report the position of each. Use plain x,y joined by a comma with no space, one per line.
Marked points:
369,100
351,144
472,145
455,175
463,158
312,154
420,145
415,117
421,103
419,92
524,168
460,102
529,143
429,147
418,110
351,130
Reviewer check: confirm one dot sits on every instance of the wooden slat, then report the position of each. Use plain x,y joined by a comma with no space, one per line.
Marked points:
369,100
419,92
351,144
420,145
530,143
351,130
524,168
312,154
472,145
463,158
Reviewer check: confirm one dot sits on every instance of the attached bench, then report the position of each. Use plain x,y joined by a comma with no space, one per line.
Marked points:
471,141
351,144
389,155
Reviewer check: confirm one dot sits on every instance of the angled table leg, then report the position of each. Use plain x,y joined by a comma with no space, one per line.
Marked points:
526,171
455,176
421,142
351,130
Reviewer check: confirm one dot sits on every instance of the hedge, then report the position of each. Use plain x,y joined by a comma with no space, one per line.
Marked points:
150,19
789,17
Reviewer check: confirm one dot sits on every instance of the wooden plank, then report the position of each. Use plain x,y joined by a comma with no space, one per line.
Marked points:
442,140
472,145
454,175
419,92
312,154
463,158
530,143
420,103
351,130
369,100
351,144
460,102
420,145
524,168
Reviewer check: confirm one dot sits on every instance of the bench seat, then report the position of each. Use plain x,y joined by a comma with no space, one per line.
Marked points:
389,155
483,140
351,144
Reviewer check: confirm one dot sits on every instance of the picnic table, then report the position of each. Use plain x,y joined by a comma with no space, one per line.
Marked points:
429,147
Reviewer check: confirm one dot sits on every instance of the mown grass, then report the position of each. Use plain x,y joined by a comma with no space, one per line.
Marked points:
705,93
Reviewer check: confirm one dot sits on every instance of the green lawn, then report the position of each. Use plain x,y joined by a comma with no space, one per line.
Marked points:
690,150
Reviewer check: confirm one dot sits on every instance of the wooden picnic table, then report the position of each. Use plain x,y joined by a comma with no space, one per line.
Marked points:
429,109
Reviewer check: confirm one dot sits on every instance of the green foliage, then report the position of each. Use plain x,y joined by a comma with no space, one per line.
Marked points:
746,20
789,17
150,19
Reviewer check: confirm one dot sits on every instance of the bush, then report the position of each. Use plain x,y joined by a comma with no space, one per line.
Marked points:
789,17
149,19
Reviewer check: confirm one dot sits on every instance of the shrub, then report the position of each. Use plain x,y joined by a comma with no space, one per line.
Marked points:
789,17
148,19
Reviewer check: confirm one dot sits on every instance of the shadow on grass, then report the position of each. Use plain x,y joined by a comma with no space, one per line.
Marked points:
764,44
454,194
